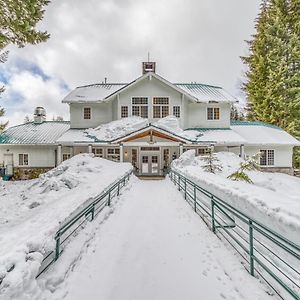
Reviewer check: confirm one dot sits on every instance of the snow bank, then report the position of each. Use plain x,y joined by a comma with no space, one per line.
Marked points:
171,123
273,199
31,212
116,129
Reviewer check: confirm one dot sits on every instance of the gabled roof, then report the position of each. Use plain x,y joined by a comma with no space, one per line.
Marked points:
150,127
31,133
97,93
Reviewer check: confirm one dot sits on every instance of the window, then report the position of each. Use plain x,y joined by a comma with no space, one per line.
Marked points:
66,156
124,111
140,106
113,154
160,107
134,157
202,151
176,111
86,113
23,159
149,148
166,157
98,152
267,157
213,113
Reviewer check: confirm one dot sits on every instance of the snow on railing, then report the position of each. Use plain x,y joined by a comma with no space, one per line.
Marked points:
73,224
266,254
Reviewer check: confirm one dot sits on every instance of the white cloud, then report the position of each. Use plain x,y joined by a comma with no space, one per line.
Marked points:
190,40
26,90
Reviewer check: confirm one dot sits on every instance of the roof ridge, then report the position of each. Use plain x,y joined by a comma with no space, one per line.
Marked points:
101,84
199,83
32,122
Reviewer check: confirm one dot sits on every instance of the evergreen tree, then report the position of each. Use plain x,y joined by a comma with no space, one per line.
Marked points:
212,163
18,26
249,164
273,76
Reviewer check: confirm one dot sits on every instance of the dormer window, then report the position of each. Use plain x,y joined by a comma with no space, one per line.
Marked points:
87,112
213,113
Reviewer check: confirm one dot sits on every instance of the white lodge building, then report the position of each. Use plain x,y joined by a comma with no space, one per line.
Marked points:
148,122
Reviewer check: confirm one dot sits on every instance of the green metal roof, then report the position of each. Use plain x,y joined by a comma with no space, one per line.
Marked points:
31,133
253,123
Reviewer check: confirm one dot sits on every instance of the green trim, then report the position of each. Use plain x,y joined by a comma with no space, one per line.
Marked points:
207,129
253,123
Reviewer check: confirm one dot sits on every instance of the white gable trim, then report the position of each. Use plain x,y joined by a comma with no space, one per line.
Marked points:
150,75
179,138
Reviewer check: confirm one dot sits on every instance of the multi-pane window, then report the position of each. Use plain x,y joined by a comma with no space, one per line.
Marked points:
23,159
98,152
166,157
86,113
134,157
124,111
140,107
176,111
66,156
202,151
213,113
267,157
113,154
160,107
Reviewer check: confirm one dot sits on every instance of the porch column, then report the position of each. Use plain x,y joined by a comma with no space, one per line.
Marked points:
242,151
180,149
59,154
121,153
89,148
72,151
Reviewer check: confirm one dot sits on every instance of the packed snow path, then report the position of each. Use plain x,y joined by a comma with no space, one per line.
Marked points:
154,246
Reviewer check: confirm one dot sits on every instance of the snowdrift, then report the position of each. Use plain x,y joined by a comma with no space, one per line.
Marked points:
31,212
273,199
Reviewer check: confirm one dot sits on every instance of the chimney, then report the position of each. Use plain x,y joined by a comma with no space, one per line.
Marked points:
39,115
149,67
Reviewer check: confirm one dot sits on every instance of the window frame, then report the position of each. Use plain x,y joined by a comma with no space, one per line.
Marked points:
268,159
177,111
89,114
159,108
94,151
23,161
124,114
214,115
142,109
115,155
66,154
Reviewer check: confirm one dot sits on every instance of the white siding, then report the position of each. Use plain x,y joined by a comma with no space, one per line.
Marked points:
100,113
38,156
283,155
150,88
196,115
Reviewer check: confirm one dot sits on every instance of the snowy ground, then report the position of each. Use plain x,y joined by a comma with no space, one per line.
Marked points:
31,211
273,199
153,246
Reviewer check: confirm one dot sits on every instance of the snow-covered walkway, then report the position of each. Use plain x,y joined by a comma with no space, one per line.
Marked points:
155,247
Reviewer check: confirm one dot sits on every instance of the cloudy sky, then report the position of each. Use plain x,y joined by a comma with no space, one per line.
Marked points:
191,40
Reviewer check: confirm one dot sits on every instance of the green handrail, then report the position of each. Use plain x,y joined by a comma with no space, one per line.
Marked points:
77,220
268,254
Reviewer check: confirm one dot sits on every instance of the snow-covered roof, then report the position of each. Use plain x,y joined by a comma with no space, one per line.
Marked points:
259,133
102,92
93,93
206,93
218,136
31,133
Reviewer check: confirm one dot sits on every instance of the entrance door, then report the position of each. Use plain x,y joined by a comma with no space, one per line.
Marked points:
8,164
150,165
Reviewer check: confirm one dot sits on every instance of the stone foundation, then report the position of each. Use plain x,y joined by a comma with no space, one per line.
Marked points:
28,173
285,170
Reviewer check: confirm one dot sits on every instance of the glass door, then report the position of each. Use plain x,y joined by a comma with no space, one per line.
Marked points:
145,164
154,164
